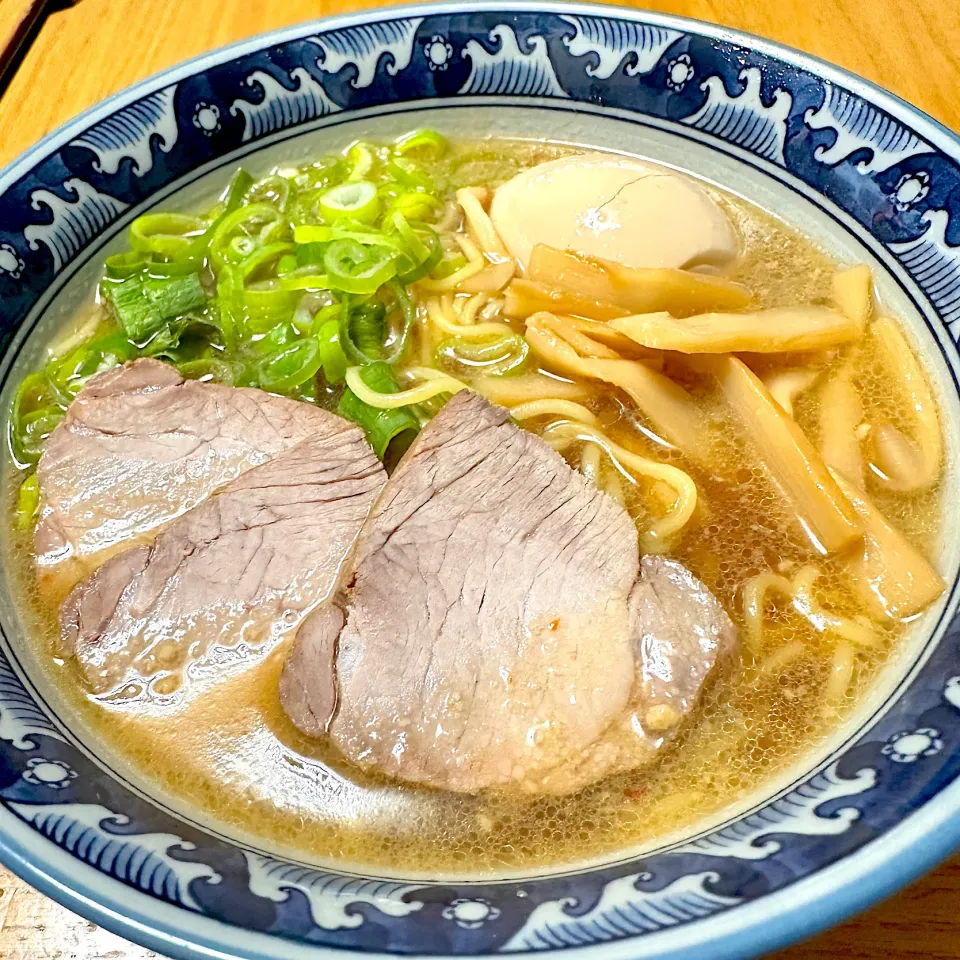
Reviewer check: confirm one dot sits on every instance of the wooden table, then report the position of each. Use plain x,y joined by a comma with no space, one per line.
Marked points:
84,53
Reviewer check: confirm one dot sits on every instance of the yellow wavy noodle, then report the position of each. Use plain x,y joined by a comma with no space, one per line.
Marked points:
468,307
754,597
470,250
442,315
612,487
492,309
424,336
561,435
856,629
841,674
435,384
475,263
606,480
781,658
499,268
590,463
479,222
799,591
553,406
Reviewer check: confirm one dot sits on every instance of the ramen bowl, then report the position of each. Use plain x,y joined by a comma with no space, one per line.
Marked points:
867,176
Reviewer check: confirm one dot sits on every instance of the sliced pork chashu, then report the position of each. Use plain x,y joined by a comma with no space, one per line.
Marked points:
243,567
140,446
494,628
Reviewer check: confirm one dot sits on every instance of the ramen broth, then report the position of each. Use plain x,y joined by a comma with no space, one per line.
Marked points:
222,745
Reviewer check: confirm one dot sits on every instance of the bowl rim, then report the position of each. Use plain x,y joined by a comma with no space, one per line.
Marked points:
808,906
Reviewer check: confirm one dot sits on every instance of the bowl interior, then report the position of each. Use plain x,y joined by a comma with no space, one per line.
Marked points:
760,183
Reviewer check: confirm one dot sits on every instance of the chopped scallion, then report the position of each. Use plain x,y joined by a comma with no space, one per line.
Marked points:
361,158
290,367
426,144
498,357
144,304
164,234
331,355
382,427
356,200
356,268
28,502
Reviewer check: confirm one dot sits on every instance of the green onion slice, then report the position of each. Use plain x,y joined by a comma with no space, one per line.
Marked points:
356,200
282,335
361,158
498,357
331,354
264,257
355,268
33,401
413,206
315,236
324,315
362,329
240,233
164,234
119,266
209,368
230,300
71,372
239,185
290,367
304,280
423,251
273,189
31,431
307,254
425,144
385,429
144,304
410,175
287,264
28,502
268,304
408,315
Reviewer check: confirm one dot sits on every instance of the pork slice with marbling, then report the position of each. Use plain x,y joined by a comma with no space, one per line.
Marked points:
493,628
679,632
139,447
235,573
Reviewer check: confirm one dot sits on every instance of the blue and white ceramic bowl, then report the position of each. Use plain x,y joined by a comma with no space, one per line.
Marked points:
865,173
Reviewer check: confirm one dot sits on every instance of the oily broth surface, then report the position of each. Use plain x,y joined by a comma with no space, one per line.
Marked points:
231,753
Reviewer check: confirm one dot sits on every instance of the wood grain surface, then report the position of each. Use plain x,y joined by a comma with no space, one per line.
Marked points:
97,47
15,19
